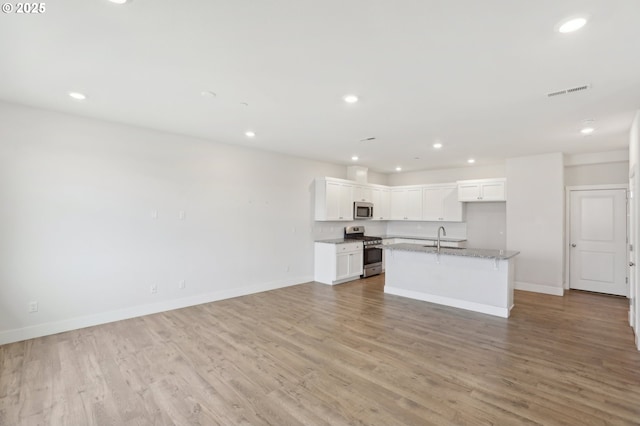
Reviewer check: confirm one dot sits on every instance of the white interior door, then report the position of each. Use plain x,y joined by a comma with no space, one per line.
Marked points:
598,241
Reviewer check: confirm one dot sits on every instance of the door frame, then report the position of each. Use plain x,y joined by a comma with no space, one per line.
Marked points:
567,223
634,288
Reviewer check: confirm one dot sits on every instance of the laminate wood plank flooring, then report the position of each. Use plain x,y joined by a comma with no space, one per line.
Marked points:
313,354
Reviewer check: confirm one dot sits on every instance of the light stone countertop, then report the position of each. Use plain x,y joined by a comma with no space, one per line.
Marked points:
468,252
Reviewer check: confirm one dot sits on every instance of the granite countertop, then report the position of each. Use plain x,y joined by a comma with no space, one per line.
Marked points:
409,237
469,252
384,237
336,241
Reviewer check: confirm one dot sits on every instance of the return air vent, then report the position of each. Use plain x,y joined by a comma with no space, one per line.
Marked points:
569,91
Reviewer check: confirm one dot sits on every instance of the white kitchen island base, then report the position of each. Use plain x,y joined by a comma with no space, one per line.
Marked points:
476,280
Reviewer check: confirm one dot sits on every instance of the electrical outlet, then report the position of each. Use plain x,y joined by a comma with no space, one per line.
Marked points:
288,268
33,307
154,214
154,288
182,285
182,215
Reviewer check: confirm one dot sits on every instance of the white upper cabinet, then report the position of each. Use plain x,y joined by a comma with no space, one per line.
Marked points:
406,203
482,190
440,203
334,200
381,199
362,193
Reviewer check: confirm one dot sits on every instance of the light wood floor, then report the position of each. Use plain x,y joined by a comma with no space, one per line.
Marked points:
314,354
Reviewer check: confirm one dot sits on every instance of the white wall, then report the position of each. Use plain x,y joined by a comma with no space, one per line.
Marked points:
535,221
487,225
332,230
446,175
597,174
77,232
634,144
426,229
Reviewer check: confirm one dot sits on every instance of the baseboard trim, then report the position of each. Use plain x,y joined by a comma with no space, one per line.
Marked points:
539,288
446,301
46,329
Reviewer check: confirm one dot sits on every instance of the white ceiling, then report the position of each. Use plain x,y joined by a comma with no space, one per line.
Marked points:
471,74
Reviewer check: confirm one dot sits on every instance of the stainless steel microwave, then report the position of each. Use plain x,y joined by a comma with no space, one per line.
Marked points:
362,210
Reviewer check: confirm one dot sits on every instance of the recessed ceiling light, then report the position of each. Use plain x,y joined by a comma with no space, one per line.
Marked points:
572,25
119,1
354,158
437,145
587,130
351,99
250,134
78,96
398,169
471,161
208,94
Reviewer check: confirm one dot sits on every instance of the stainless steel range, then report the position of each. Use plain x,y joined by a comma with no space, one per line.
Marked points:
372,250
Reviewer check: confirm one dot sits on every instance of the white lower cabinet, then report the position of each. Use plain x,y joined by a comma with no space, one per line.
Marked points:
337,263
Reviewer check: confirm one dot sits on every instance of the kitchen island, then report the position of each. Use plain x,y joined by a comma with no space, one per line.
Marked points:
479,280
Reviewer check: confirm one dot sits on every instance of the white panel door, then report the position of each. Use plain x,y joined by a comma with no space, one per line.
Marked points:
598,241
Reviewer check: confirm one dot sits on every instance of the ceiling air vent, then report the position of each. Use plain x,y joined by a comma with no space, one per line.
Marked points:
569,91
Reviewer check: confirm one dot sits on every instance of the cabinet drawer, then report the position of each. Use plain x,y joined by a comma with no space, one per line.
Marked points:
342,248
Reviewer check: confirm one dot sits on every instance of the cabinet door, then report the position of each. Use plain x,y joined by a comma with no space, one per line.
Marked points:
346,202
469,192
451,207
334,193
493,191
355,263
362,193
406,204
413,207
343,262
339,202
398,201
432,204
381,199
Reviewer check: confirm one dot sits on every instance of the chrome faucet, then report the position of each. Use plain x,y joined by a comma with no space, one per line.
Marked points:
444,232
